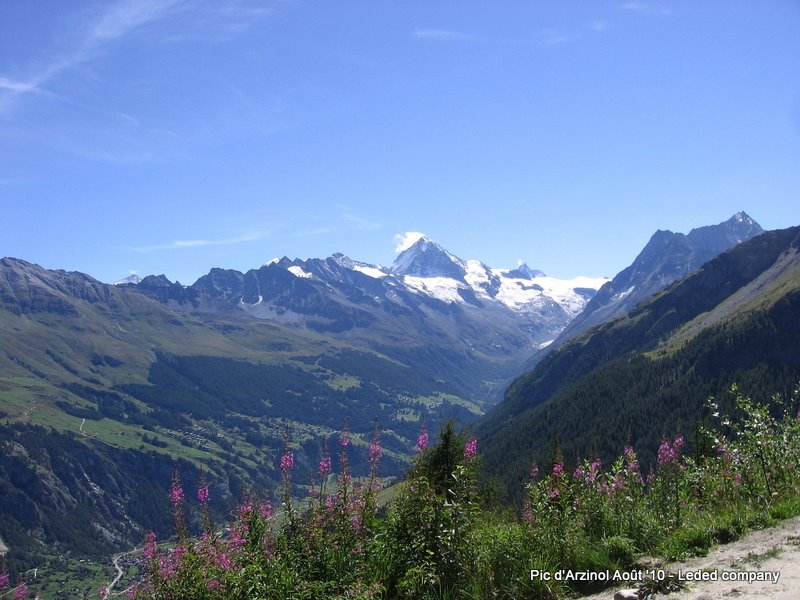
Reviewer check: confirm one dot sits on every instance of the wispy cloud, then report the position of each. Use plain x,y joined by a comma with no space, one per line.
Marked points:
359,222
184,244
403,241
646,8
215,20
554,37
443,35
346,220
120,20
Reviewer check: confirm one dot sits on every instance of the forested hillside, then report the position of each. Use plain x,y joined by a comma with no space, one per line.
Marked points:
646,375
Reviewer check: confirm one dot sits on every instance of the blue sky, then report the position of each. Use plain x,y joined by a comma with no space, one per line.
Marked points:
172,136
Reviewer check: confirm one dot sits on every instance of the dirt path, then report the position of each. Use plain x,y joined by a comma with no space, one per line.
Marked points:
120,571
770,554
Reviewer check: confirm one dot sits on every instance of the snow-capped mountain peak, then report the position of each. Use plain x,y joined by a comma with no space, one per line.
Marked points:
426,258
523,271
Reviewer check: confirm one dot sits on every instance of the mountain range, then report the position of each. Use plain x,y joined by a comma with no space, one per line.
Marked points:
667,257
645,375
106,388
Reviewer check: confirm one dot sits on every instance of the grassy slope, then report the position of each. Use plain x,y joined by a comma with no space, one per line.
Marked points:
72,357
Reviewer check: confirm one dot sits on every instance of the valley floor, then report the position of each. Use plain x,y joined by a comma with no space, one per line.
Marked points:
776,549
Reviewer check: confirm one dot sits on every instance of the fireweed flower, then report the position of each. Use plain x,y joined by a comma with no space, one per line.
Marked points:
558,468
150,545
102,592
324,466
527,513
3,580
471,448
224,561
176,492
665,454
202,493
237,540
534,471
422,441
21,591
245,510
375,452
287,462
166,568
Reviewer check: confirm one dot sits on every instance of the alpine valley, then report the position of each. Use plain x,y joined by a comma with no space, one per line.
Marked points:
107,389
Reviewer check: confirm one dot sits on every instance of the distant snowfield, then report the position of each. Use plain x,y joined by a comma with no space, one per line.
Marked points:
373,272
441,288
298,272
515,293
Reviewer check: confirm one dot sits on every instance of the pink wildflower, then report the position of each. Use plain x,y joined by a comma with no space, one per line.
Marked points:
3,580
665,454
166,568
224,561
375,452
534,471
287,462
324,466
344,441
265,510
554,494
179,552
21,591
150,545
245,510
356,521
558,468
213,584
527,513
237,540
202,493
176,492
422,441
471,448
593,472
102,591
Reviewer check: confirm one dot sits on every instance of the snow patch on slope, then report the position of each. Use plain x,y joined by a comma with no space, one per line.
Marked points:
298,271
441,288
369,271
